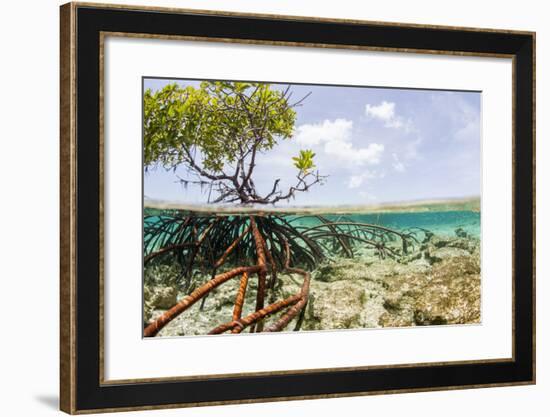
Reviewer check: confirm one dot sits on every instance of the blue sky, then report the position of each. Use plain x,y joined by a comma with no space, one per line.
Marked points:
376,145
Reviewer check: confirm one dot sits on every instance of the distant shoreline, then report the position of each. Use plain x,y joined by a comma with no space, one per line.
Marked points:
458,204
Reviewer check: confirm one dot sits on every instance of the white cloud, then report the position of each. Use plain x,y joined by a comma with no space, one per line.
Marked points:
397,164
355,181
362,156
328,131
385,112
335,136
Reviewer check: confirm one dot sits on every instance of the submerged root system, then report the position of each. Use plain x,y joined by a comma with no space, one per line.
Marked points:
203,245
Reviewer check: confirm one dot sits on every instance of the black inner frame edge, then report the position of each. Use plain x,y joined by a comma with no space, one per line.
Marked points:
91,395
155,77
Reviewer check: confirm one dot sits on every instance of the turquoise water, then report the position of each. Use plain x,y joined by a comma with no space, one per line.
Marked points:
442,223
345,255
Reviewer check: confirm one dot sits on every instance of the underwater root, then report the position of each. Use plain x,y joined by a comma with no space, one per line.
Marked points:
205,243
294,304
195,296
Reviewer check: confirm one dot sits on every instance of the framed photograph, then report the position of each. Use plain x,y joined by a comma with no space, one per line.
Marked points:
264,208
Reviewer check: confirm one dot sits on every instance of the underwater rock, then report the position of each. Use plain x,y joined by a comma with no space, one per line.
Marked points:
160,297
399,310
449,294
162,275
347,270
453,295
446,252
449,300
439,248
367,269
344,305
157,297
418,265
436,242
437,284
399,299
411,258
469,245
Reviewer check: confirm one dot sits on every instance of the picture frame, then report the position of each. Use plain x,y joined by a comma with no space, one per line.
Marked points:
84,29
